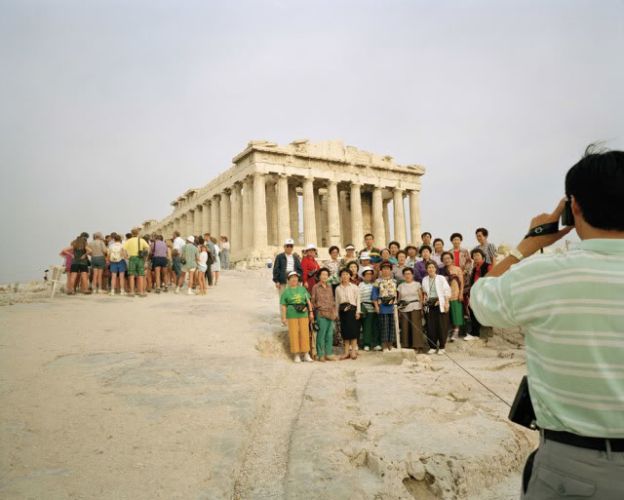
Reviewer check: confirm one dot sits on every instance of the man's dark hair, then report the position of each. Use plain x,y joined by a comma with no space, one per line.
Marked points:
477,250
483,231
403,252
332,248
456,235
395,243
424,247
438,239
369,234
446,253
425,234
597,184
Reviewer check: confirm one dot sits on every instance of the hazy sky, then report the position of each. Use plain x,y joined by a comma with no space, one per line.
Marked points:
109,110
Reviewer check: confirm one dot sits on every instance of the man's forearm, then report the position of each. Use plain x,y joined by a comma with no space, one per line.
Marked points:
502,267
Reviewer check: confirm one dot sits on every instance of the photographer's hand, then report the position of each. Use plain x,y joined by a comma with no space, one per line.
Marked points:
529,246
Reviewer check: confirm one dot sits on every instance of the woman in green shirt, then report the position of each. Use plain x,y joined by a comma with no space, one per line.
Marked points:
296,314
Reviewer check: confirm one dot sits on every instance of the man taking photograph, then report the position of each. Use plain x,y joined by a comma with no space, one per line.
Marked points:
571,309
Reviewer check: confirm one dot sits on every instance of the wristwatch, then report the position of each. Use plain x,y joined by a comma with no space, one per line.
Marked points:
517,254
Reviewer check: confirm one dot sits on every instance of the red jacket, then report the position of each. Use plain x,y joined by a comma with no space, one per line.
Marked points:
309,264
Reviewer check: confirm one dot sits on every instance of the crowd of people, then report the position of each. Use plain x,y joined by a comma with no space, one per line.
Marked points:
365,298
139,264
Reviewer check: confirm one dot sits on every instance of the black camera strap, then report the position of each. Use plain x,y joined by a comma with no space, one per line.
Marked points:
543,229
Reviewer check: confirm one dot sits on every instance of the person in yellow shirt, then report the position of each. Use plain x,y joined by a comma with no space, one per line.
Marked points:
135,247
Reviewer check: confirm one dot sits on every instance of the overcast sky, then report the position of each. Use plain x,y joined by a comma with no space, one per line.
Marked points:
109,110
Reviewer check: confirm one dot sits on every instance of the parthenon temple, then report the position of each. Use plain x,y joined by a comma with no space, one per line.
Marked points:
342,192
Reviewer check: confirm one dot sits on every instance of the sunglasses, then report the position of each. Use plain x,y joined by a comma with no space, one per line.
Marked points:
288,246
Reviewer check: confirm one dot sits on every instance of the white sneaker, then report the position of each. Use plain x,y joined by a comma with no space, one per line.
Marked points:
469,337
377,348
112,293
307,358
190,292
297,358
431,351
177,290
441,351
366,348
122,293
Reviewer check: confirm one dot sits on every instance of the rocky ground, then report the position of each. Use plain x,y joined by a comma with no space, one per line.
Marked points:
184,397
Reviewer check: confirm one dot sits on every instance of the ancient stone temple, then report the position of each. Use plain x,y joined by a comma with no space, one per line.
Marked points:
341,191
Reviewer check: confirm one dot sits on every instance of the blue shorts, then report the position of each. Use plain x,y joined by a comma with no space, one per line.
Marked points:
118,267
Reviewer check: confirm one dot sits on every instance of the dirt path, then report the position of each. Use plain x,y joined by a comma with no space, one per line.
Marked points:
194,397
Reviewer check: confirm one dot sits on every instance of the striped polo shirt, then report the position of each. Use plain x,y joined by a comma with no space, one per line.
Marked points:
571,309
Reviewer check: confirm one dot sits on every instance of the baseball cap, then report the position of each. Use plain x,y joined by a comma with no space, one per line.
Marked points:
289,241
191,239
366,269
311,246
365,256
349,247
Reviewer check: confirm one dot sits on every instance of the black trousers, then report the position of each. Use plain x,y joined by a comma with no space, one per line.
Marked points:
437,327
209,273
475,326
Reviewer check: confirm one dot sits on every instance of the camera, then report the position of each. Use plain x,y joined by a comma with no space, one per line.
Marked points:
567,217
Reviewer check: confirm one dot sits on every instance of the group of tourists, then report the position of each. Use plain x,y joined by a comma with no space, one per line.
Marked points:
150,263
368,297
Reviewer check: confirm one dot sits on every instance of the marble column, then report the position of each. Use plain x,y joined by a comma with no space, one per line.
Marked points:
293,208
197,220
215,215
236,218
317,217
309,219
259,212
333,214
224,212
176,224
386,219
379,218
205,225
284,230
414,204
271,210
345,218
357,228
324,222
399,217
367,209
247,231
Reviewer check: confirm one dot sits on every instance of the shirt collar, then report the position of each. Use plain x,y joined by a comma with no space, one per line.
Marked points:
603,245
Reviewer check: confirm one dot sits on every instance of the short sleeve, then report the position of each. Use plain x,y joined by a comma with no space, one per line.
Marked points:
490,299
283,298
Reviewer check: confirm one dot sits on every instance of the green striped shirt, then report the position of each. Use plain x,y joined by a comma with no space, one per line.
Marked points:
571,309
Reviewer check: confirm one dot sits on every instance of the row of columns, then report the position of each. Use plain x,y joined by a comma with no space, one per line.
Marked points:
263,211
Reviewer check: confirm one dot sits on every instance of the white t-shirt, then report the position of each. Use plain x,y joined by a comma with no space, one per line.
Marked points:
178,244
115,253
290,264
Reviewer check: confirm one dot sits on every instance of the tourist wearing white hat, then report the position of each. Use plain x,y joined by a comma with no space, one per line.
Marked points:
310,267
296,313
349,255
285,262
370,332
365,261
189,259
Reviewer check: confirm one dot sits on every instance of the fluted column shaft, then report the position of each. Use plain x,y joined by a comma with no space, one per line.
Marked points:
414,204
386,218
333,213
379,229
197,220
283,211
293,207
357,227
309,218
259,212
399,217
247,213
224,212
215,215
205,224
236,218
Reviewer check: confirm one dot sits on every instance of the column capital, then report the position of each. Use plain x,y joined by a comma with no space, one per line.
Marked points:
398,189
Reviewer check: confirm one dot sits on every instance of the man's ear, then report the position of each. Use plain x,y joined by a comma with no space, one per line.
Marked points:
576,209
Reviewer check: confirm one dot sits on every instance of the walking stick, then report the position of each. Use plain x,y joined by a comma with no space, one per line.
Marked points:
396,326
